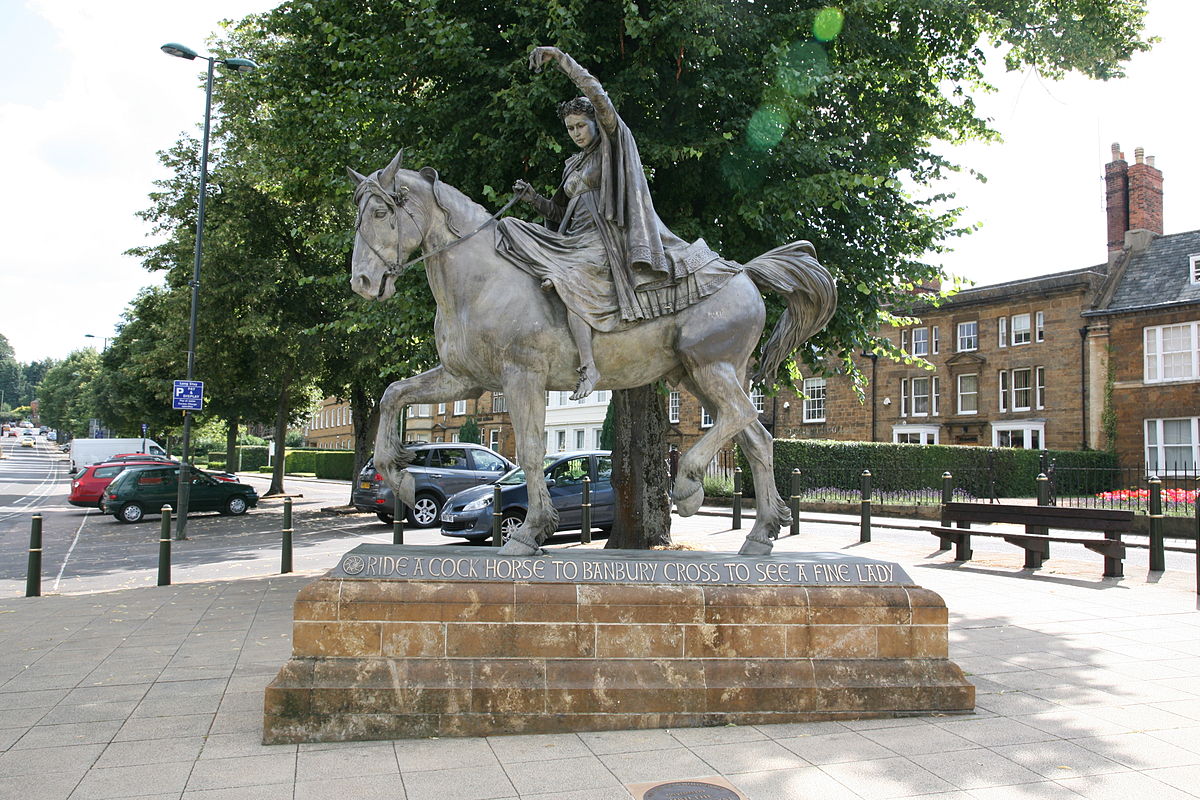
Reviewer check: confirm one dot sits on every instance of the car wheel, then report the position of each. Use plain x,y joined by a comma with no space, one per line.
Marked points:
509,522
386,519
235,505
130,512
424,512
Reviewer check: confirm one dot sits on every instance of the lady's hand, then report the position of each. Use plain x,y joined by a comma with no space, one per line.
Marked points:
540,55
525,193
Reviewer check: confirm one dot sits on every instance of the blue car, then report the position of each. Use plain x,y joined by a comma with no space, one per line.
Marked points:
468,514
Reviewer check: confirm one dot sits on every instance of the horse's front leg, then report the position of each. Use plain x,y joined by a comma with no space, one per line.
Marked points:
526,395
437,385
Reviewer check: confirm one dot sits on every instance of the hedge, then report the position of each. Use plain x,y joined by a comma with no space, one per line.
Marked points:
980,471
252,457
333,464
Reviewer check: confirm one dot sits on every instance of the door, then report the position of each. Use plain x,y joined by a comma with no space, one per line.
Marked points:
487,467
450,469
567,491
206,494
603,497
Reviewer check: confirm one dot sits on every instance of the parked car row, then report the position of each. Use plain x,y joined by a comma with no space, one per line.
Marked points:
145,488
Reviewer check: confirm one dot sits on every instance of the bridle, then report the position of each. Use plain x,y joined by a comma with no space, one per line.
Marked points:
397,200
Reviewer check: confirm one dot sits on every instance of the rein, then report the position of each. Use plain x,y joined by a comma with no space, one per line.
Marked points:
398,200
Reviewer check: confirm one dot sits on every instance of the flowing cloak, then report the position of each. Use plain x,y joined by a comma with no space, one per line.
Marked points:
611,259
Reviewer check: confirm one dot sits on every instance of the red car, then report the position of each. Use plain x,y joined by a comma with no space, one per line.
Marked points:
88,486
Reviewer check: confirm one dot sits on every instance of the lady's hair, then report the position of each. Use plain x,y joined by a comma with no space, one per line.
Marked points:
580,106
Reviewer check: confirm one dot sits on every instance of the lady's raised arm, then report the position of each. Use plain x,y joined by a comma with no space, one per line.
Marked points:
606,114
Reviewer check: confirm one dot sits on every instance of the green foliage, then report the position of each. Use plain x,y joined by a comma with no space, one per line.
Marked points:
469,431
718,486
1108,416
334,464
67,396
606,430
979,471
217,460
253,457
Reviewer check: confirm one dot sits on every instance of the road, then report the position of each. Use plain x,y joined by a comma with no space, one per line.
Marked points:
84,551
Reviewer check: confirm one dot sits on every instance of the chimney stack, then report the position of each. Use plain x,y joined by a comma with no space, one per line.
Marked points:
1134,198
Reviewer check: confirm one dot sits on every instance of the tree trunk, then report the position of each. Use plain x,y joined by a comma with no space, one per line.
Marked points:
364,410
281,420
640,475
231,451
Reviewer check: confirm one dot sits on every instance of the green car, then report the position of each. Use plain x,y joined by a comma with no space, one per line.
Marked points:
139,491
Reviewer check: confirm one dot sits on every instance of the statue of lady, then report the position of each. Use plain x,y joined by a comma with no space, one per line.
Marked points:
603,245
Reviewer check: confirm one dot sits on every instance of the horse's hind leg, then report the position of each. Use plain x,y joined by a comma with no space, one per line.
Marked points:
771,512
526,395
432,386
718,387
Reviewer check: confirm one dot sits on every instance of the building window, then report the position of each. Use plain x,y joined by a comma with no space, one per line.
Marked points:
1194,267
1022,390
499,404
706,420
454,436
935,341
494,438
968,336
1027,436
968,394
935,395
460,407
424,410
441,409
756,397
1171,446
579,445
920,397
920,341
562,440
1172,353
1039,381
1002,331
673,407
1039,327
904,397
814,399
1020,329
915,434
904,340
598,438
1003,399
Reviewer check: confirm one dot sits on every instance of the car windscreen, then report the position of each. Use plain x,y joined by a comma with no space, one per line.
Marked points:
107,472
517,476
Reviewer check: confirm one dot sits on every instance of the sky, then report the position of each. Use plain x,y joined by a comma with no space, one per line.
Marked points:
87,99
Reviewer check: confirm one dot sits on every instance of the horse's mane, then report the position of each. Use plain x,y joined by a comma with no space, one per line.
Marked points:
457,207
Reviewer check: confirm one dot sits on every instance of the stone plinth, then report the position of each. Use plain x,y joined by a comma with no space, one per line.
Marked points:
402,642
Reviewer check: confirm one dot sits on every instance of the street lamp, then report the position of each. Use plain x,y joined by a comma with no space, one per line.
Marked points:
237,65
94,336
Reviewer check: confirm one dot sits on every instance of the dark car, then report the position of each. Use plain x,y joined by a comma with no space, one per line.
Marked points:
145,490
440,469
468,514
87,488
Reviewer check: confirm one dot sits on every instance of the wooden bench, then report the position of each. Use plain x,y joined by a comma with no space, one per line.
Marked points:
1036,539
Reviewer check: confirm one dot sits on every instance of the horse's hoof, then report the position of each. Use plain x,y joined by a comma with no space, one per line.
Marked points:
753,547
517,547
688,503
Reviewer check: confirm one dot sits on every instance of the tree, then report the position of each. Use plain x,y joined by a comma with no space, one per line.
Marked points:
469,431
761,123
66,401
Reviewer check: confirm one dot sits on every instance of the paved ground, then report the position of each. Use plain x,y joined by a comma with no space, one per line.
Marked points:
1087,687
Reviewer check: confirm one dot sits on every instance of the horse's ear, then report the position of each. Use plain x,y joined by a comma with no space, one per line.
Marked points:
389,172
430,174
354,176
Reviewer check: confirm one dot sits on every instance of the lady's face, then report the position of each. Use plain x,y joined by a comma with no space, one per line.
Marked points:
581,129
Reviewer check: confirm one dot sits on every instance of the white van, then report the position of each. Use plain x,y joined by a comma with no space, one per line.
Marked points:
85,452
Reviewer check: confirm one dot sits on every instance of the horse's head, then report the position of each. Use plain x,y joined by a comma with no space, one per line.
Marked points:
389,227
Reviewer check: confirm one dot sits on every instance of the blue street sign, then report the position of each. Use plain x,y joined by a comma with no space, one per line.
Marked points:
188,396
145,427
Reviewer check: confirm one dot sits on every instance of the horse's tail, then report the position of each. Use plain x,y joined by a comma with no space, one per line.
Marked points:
794,272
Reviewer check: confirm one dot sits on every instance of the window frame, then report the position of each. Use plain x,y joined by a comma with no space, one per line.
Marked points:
1152,348
1156,465
1015,403
915,383
960,394
1025,333
460,408
813,407
1026,428
929,434
673,407
973,336
706,419
1039,326
1002,332
920,341
1194,268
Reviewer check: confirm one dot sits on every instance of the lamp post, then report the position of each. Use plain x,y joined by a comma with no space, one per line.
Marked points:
237,65
94,336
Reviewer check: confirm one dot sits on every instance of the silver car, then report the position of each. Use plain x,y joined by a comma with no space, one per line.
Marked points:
440,469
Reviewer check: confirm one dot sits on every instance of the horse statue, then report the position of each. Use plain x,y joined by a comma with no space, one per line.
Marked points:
496,330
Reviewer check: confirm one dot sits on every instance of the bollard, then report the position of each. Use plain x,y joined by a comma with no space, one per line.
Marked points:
796,502
585,535
496,514
947,497
285,555
33,577
737,498
164,548
864,517
1158,560
1043,499
398,528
